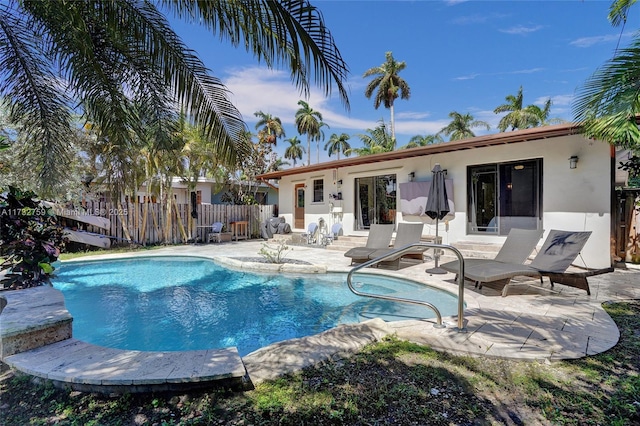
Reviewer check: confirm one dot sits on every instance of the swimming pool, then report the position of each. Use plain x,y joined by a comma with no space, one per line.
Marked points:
190,303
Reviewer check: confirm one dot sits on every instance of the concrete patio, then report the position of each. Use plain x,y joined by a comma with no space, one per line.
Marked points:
534,321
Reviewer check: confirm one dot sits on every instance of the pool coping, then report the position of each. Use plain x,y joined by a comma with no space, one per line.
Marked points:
72,363
82,366
534,322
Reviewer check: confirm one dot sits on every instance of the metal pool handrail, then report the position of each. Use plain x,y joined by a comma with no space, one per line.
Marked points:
406,249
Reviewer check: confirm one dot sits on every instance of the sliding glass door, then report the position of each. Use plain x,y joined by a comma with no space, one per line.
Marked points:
504,196
375,200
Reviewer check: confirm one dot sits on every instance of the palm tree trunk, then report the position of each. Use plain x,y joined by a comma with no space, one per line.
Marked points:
393,124
308,150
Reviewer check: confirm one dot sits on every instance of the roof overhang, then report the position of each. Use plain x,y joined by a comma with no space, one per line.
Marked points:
526,135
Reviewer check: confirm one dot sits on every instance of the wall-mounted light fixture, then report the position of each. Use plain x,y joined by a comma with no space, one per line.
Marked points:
412,176
340,182
573,162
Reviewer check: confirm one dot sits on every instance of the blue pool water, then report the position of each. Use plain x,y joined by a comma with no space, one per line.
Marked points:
174,303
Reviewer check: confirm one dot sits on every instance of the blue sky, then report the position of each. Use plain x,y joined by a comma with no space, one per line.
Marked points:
463,56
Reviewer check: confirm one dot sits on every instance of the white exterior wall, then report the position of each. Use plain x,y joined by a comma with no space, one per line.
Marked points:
183,196
573,199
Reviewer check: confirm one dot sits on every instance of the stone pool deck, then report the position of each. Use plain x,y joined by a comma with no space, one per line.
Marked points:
534,321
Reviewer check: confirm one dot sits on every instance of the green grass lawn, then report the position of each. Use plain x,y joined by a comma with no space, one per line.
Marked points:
391,382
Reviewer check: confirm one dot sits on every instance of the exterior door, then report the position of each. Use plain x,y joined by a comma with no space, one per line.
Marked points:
483,201
375,201
504,196
298,210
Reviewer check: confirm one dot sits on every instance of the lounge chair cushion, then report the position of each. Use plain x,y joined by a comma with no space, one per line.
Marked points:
408,233
516,249
560,250
379,237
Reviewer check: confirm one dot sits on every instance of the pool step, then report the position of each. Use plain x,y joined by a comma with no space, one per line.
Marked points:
90,368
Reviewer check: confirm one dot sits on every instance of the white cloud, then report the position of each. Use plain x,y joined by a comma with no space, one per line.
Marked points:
521,29
454,2
590,41
478,19
261,89
466,77
412,128
557,100
525,71
474,76
411,115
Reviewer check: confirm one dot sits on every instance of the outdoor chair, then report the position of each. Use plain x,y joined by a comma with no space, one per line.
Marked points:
519,244
557,254
215,233
333,235
408,233
379,237
312,233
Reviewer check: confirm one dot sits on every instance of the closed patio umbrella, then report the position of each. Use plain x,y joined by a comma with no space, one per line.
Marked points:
437,207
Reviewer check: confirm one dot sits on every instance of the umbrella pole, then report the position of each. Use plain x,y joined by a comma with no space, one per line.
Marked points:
436,256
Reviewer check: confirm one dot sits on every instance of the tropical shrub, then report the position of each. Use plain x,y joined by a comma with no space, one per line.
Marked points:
30,240
274,255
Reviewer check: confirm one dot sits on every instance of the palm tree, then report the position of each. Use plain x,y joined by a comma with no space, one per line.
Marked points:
309,122
520,117
338,144
422,140
377,140
277,165
608,103
294,151
517,117
102,55
388,83
269,128
540,116
461,125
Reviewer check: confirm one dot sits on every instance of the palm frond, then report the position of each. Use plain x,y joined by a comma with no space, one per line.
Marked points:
609,101
614,88
36,102
618,11
282,32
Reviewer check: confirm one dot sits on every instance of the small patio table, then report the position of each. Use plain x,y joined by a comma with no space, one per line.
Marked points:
240,229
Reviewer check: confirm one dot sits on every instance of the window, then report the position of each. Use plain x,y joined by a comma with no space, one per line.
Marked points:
318,191
261,198
375,200
504,196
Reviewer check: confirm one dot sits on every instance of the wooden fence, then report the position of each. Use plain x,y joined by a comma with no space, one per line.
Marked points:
152,223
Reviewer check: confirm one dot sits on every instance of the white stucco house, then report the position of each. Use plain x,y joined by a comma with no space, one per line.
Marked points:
546,178
208,191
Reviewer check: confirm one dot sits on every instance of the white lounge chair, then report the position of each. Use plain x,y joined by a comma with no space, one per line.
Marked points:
379,237
518,246
408,233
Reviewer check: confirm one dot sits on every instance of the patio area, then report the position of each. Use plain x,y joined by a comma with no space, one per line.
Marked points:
534,321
